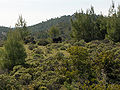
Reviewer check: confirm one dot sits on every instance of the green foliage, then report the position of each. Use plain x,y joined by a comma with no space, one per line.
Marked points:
79,57
46,25
48,50
38,51
59,55
80,43
14,52
21,27
8,83
108,66
56,46
86,26
43,42
79,53
31,47
1,43
63,47
113,24
71,65
94,66
3,30
54,32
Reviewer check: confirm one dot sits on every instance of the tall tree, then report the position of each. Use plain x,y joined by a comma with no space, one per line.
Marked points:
113,24
85,26
22,27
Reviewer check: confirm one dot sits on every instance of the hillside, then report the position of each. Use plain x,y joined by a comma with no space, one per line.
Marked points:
45,25
3,30
40,30
63,23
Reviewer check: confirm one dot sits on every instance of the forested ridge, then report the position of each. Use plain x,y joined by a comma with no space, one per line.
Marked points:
3,29
78,52
63,22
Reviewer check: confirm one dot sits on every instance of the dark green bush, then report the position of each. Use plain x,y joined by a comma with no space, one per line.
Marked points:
43,42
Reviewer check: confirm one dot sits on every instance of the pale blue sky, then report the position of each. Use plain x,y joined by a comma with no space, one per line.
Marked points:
35,11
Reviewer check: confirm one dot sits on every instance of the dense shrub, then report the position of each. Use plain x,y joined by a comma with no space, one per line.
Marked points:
80,60
109,66
56,45
38,51
80,43
38,56
59,55
48,50
63,48
8,83
43,42
31,47
94,66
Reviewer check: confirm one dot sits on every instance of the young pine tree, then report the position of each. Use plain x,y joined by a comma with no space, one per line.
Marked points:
21,26
113,24
14,52
54,32
86,26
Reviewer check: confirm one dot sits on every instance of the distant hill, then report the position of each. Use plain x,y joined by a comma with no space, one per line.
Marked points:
40,29
45,25
3,31
63,23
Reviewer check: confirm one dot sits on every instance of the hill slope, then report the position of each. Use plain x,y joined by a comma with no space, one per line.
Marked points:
52,22
63,23
3,31
40,29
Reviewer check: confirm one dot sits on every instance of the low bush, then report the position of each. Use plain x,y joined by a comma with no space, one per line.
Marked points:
59,55
63,48
80,43
38,56
48,51
56,45
38,51
9,83
43,42
31,47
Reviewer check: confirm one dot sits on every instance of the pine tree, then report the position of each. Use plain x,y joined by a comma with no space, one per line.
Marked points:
21,26
113,24
86,26
54,32
14,52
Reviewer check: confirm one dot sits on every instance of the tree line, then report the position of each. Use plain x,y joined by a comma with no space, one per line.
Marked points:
89,26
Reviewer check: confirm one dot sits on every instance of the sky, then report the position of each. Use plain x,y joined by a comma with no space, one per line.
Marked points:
36,11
